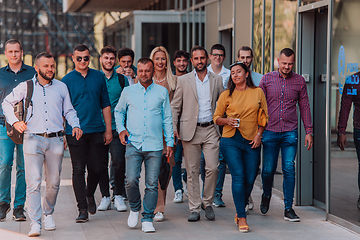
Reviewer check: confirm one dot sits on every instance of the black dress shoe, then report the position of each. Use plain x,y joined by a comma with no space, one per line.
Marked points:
91,205
209,213
83,216
358,203
194,216
4,209
18,214
265,204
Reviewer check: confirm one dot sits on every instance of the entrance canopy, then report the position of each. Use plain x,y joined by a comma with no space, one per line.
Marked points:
103,5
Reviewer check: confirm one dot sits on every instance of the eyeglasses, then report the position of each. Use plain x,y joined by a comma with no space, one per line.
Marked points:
218,55
79,59
237,63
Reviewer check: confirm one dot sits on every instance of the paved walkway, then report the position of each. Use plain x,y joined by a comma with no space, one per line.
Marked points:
111,224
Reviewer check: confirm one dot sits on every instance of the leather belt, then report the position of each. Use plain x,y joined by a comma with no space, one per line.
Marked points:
205,124
51,135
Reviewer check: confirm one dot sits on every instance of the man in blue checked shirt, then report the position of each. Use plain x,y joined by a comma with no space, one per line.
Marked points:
146,108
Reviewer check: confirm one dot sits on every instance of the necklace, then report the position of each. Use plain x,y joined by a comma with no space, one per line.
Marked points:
159,81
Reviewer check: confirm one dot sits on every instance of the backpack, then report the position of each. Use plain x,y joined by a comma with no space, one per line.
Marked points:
20,110
121,81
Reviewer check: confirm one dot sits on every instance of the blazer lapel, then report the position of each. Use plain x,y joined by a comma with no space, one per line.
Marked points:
192,82
212,83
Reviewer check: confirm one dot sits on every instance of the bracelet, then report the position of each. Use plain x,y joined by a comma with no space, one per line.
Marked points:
259,134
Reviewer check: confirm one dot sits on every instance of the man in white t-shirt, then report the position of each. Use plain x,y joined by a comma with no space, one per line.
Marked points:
245,54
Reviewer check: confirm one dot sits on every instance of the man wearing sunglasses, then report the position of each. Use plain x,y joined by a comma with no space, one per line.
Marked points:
245,54
90,98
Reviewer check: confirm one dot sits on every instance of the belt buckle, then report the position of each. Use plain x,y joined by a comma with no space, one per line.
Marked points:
46,135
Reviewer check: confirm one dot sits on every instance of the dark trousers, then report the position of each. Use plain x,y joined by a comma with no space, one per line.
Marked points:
85,152
117,152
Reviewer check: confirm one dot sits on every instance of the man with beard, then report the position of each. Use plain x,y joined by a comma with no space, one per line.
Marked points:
245,54
10,76
145,108
90,98
117,150
43,138
283,90
195,102
181,62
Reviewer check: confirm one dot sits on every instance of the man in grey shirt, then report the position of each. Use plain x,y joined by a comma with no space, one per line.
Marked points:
43,137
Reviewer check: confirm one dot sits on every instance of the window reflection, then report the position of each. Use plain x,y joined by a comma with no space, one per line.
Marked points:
345,92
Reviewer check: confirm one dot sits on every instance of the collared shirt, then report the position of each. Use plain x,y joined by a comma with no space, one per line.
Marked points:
256,77
148,115
224,73
282,95
88,96
351,94
9,79
203,92
114,90
49,104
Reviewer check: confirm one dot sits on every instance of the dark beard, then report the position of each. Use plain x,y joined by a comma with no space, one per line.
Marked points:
108,69
43,75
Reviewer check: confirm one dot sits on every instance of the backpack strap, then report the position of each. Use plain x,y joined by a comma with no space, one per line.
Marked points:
121,81
30,90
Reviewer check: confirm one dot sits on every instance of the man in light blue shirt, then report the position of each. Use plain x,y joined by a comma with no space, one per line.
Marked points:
245,54
146,108
43,138
217,57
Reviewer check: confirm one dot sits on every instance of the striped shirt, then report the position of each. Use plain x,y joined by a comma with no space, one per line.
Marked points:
282,95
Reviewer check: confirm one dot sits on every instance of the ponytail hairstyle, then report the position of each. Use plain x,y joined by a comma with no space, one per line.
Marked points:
249,82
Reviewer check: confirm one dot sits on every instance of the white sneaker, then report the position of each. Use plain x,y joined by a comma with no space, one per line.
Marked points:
49,223
251,203
105,204
148,227
159,217
35,230
133,219
119,203
178,196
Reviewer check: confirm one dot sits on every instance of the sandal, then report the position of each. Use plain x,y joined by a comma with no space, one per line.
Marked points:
236,219
242,228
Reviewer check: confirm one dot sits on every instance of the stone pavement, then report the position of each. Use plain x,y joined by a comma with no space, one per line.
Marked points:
111,224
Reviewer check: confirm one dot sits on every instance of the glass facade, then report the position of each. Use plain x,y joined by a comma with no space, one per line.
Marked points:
345,62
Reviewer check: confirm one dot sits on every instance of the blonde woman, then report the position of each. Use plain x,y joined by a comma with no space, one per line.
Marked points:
163,77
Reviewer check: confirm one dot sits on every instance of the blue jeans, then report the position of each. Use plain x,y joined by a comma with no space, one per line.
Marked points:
272,143
221,173
356,136
243,163
152,160
176,170
7,147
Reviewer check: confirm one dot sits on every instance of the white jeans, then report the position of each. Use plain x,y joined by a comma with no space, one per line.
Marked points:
39,150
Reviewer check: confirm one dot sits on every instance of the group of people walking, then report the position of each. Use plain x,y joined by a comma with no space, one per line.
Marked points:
150,115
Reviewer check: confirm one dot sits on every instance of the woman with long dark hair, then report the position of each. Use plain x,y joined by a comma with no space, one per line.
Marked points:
246,118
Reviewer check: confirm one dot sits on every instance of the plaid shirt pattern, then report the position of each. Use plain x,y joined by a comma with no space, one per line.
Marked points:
351,94
282,95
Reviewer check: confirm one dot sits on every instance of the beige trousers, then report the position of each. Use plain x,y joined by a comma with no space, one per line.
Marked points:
206,139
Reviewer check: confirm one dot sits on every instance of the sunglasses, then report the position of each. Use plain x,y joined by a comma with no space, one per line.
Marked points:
79,59
218,55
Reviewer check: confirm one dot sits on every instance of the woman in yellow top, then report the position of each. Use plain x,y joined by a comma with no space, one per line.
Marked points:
246,118
163,77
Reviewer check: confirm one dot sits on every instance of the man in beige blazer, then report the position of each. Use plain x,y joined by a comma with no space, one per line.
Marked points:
195,102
